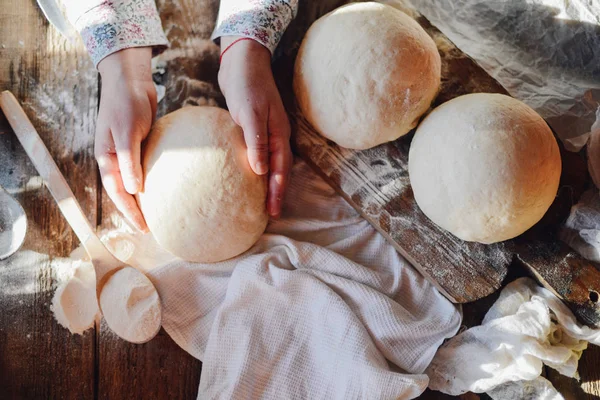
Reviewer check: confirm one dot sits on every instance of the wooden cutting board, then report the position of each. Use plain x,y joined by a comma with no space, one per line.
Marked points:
375,182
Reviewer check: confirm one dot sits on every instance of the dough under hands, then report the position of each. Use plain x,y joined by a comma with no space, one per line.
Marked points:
201,200
485,167
365,74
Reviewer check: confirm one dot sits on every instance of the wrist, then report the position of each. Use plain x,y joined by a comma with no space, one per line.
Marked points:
133,63
244,48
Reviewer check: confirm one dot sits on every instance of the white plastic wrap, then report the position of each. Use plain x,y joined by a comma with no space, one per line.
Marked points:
544,52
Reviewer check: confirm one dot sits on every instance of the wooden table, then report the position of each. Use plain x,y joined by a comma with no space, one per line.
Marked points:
58,86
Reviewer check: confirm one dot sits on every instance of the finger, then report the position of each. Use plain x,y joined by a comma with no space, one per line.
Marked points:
128,146
256,136
111,179
280,159
153,97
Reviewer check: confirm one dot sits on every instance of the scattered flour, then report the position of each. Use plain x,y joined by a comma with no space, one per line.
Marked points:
136,317
74,303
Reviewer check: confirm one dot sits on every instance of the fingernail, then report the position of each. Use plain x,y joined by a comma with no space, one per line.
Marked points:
139,224
142,228
261,168
132,184
275,209
279,180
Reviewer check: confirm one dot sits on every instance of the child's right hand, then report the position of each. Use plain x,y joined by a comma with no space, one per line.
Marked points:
127,110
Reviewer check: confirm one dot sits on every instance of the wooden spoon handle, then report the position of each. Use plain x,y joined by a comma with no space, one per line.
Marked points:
53,178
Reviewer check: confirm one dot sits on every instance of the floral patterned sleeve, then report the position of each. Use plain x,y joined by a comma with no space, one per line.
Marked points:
262,20
108,26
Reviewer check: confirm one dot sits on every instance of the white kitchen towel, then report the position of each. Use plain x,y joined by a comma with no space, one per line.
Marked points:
526,328
322,307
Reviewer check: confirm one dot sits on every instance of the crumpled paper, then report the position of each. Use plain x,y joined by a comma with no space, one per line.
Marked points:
544,52
582,229
528,327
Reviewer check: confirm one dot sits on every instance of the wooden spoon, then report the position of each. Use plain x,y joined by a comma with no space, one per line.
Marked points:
105,264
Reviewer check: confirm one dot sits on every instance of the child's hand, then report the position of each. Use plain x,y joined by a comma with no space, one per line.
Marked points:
127,110
253,100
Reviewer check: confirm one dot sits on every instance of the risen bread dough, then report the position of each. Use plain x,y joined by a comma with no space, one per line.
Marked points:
485,167
365,74
201,200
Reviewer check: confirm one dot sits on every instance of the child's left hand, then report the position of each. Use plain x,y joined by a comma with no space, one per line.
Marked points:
246,80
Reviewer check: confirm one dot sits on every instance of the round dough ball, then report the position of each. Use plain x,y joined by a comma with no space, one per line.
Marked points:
201,200
485,167
365,74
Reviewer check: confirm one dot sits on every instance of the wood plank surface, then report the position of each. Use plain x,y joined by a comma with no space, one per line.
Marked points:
56,83
375,182
588,387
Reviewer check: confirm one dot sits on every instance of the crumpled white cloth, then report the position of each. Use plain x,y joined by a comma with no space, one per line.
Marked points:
526,328
322,307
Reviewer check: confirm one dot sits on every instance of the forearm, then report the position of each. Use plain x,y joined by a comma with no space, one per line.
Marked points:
110,26
262,20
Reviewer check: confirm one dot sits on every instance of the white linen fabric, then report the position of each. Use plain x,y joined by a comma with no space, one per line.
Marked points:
322,307
526,328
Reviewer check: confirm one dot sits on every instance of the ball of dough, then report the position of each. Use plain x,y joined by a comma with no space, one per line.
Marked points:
201,200
365,74
485,167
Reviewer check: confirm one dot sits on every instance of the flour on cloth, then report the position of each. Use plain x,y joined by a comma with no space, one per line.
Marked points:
538,389
322,307
526,328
